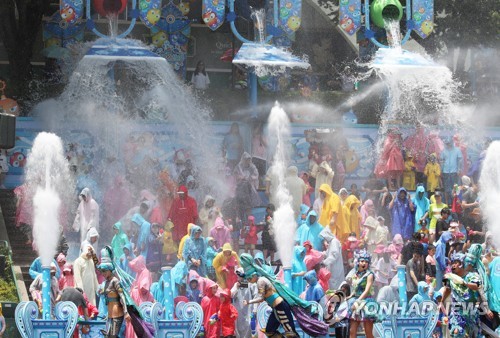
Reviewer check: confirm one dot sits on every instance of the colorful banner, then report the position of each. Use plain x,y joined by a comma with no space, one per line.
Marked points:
350,16
423,17
213,13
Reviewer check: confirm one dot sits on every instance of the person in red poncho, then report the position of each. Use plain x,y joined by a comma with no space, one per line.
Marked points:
183,211
226,315
210,305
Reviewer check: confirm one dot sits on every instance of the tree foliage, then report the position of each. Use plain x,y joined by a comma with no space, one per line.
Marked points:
20,26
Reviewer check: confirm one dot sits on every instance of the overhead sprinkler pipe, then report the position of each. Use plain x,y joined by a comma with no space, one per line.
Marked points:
385,10
287,272
46,305
168,294
403,300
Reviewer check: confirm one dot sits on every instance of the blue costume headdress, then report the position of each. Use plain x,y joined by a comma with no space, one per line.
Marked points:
473,257
458,256
363,255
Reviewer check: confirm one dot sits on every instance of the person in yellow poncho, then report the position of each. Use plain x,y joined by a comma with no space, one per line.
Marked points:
352,216
183,240
169,246
225,264
331,212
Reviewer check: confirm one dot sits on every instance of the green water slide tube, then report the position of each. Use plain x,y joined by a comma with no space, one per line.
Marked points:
385,10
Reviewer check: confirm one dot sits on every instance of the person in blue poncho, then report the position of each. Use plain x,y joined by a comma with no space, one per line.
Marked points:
314,292
309,231
127,256
298,269
144,231
195,250
494,292
36,268
441,259
304,210
120,239
423,293
421,203
401,208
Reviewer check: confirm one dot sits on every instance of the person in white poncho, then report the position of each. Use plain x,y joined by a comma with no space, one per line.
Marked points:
87,215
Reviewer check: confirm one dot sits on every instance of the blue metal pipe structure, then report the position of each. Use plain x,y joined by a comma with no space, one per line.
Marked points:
287,272
403,300
168,301
91,24
46,305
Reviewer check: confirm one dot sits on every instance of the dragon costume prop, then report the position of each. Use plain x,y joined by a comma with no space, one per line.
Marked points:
303,311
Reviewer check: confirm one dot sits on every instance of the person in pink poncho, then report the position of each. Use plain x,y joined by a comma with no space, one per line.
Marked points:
24,212
138,265
396,247
313,257
416,144
117,200
220,233
366,210
391,163
210,305
67,278
143,280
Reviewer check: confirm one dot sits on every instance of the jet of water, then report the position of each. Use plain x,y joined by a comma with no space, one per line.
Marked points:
490,190
47,179
284,225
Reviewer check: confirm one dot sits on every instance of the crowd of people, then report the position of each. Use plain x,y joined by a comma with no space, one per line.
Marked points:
347,247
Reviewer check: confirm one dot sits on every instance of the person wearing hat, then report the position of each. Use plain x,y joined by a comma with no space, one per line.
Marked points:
475,232
225,264
375,234
383,267
409,172
451,164
432,172
470,200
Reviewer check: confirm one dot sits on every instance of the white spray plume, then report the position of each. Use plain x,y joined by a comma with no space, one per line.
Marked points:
46,203
284,225
489,194
48,179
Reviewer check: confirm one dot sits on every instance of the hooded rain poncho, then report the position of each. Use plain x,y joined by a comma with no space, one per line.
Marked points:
225,267
421,205
87,215
402,218
195,248
333,261
119,240
332,207
310,232
298,266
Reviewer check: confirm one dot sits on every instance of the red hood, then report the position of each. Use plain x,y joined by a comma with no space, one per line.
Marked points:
183,189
